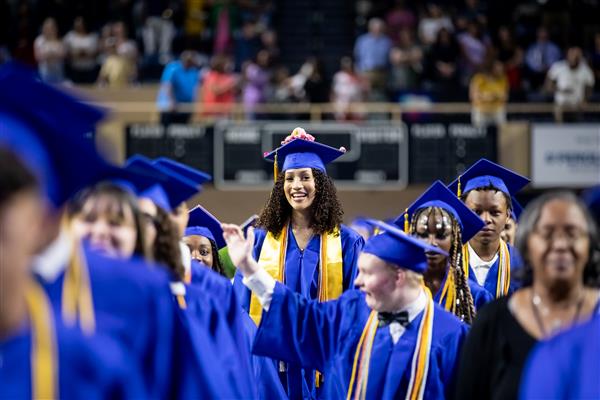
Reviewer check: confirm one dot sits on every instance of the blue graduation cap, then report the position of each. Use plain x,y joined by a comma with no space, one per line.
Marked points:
485,173
170,189
591,197
187,172
517,209
396,247
437,195
299,150
45,127
248,223
203,223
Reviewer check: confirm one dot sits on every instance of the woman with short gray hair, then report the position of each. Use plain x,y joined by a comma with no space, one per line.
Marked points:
558,240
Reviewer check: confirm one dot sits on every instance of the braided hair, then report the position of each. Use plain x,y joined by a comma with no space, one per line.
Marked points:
464,307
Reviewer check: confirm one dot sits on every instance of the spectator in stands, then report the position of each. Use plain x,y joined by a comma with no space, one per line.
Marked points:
219,87
247,44
441,66
406,62
488,92
511,55
539,57
347,88
595,60
371,56
398,18
317,87
474,11
257,76
268,39
222,22
281,90
82,51
50,53
571,81
474,45
432,23
158,30
125,46
178,87
117,71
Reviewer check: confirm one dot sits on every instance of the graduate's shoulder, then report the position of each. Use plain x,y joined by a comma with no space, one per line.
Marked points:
350,235
447,324
97,360
130,271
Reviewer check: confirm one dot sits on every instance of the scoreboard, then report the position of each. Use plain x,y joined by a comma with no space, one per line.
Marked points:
380,155
377,155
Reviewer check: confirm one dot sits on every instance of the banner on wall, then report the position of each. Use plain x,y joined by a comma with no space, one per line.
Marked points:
565,155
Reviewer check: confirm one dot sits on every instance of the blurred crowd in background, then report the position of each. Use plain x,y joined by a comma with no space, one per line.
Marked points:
230,51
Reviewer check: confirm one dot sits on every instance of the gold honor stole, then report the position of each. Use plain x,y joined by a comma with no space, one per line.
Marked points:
44,353
357,390
331,275
77,301
503,281
448,297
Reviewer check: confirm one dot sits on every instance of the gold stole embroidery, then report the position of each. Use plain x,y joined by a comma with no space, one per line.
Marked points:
331,274
503,281
44,354
77,301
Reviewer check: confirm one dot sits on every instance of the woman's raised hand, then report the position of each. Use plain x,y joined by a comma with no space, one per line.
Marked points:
240,248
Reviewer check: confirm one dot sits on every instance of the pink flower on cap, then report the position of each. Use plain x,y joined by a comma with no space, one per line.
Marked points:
298,133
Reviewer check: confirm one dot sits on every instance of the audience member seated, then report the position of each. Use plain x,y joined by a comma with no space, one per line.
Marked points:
50,53
82,51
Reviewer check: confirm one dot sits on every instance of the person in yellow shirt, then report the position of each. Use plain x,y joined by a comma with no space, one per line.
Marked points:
488,91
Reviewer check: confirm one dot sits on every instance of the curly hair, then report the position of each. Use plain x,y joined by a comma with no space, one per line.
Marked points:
326,210
123,198
464,307
166,246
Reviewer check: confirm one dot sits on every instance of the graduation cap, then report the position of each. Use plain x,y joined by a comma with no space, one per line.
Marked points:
170,189
437,195
517,209
203,223
191,174
248,223
486,173
396,247
45,127
300,150
591,197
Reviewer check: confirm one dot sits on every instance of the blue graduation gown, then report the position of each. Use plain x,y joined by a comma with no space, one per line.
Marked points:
88,368
516,263
480,296
212,302
325,336
302,276
134,306
566,366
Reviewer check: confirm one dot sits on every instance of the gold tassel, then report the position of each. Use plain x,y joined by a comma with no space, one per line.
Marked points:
406,229
458,191
275,168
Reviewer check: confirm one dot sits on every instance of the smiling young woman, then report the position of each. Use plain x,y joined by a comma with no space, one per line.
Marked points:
300,239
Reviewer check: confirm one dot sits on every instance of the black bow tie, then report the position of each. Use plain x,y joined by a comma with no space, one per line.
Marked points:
386,318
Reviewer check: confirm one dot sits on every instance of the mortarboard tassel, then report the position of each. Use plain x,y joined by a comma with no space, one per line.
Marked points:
275,169
458,191
406,229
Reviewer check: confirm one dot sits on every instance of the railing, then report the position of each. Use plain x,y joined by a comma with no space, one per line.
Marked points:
317,111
